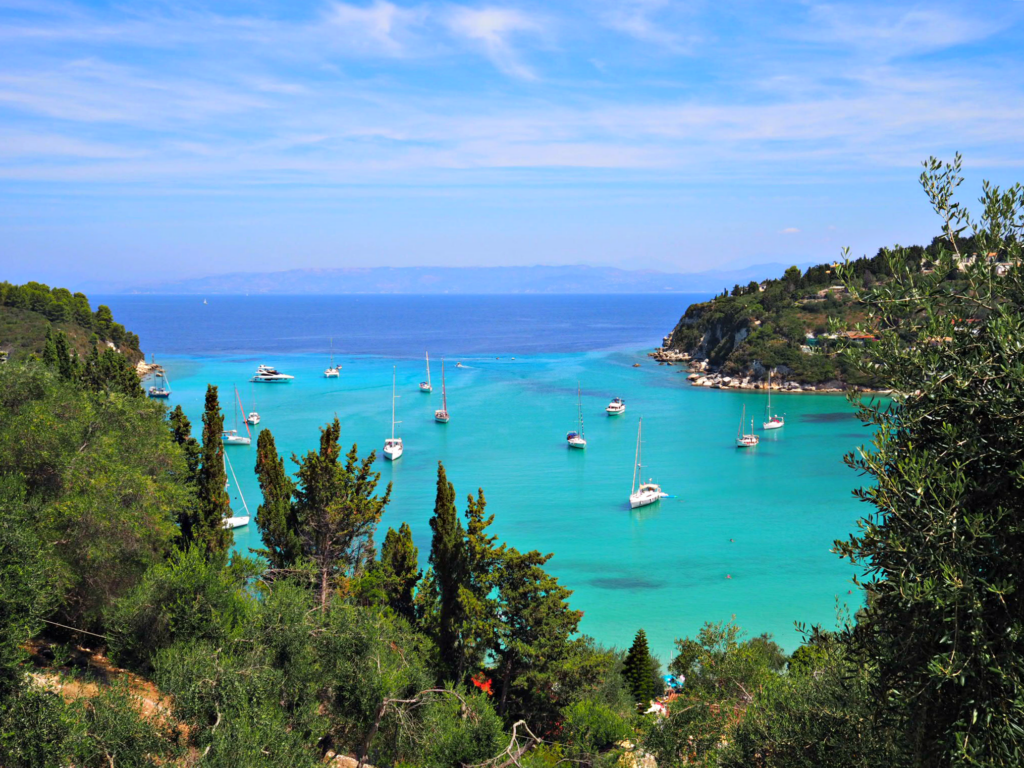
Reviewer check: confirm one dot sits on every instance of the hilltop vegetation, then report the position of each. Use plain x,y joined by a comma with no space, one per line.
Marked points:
29,311
784,324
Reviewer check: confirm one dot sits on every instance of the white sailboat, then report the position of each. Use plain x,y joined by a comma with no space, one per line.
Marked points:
575,438
425,385
645,493
241,520
333,371
162,389
772,421
393,447
231,436
254,417
746,440
442,414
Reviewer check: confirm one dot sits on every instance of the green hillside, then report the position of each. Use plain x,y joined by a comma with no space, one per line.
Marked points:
783,324
28,311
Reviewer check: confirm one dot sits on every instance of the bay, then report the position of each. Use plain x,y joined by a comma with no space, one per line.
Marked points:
746,534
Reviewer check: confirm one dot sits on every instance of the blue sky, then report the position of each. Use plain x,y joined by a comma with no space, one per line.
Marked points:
153,140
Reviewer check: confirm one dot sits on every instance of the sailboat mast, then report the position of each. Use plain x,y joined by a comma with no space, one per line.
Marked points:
394,370
444,393
579,408
238,397
332,352
769,392
428,369
636,466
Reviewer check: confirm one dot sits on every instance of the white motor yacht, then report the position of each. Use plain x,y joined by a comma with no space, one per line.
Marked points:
267,374
616,407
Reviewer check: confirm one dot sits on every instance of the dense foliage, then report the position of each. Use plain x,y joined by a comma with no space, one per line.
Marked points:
944,626
28,311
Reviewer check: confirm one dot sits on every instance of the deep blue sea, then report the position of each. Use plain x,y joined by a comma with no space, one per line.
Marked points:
746,534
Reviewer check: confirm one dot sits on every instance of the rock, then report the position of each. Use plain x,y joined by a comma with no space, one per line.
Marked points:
693,376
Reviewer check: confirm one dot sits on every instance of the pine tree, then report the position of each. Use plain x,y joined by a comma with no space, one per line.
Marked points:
213,502
336,513
448,558
534,645
275,518
399,563
638,670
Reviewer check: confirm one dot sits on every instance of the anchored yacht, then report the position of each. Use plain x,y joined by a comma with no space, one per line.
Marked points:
616,407
645,493
267,374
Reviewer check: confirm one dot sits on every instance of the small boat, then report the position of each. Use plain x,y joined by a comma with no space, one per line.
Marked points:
242,520
333,371
393,447
267,374
441,415
204,301
162,389
253,418
772,421
231,436
616,407
425,385
575,439
645,493
636,365
459,365
746,440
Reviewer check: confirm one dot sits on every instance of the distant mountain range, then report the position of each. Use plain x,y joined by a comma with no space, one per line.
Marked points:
464,280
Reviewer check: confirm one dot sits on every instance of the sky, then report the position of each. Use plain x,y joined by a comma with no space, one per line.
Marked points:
148,141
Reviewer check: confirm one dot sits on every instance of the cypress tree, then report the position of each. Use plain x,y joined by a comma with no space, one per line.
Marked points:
50,349
399,561
213,502
638,670
66,364
448,560
275,517
479,606
181,433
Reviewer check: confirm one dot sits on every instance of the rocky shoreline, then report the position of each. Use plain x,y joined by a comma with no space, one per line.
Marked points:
144,369
701,374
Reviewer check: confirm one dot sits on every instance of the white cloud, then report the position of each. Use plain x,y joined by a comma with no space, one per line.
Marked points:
637,18
491,28
373,28
892,32
789,231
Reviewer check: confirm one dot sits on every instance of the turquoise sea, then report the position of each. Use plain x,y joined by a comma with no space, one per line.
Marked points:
745,534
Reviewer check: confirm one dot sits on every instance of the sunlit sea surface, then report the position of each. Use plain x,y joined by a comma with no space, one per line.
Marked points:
746,533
